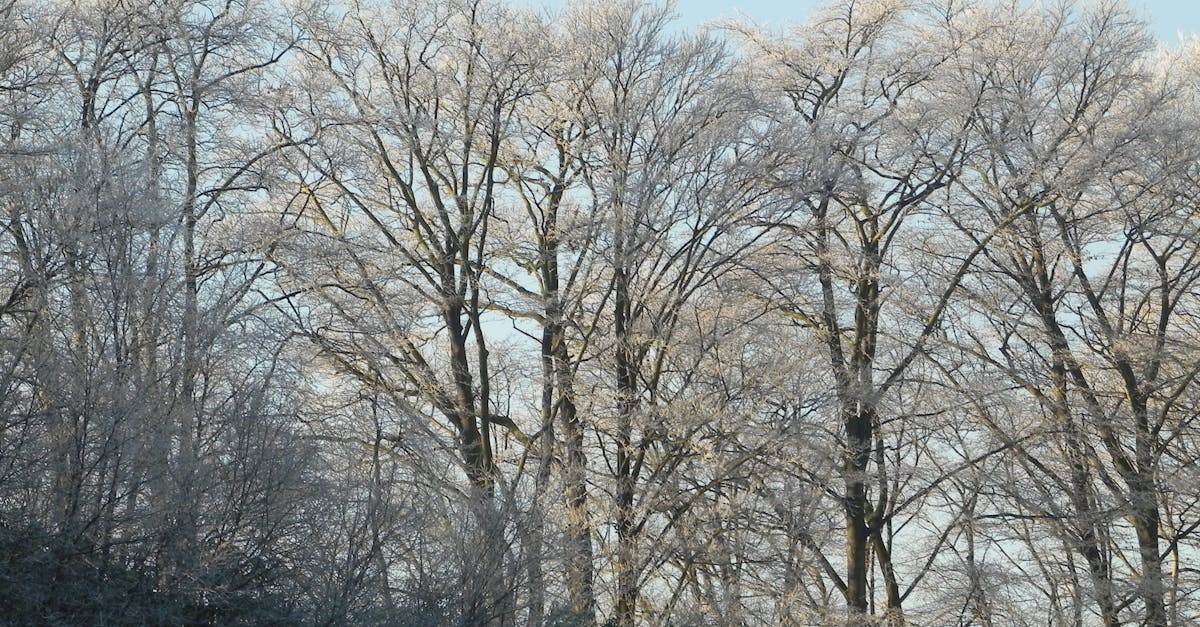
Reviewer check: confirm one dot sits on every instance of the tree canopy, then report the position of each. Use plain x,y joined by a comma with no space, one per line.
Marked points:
461,312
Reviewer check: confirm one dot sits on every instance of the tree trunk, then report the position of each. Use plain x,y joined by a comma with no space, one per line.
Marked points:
626,572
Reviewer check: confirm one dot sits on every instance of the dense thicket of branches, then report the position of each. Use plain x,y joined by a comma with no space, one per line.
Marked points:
453,312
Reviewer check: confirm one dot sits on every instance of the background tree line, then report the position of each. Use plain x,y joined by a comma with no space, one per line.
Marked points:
456,312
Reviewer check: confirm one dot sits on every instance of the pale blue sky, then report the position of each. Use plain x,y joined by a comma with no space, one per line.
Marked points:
1168,17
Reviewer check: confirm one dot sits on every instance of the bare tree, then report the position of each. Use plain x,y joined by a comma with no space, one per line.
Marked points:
877,132
1096,272
401,178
